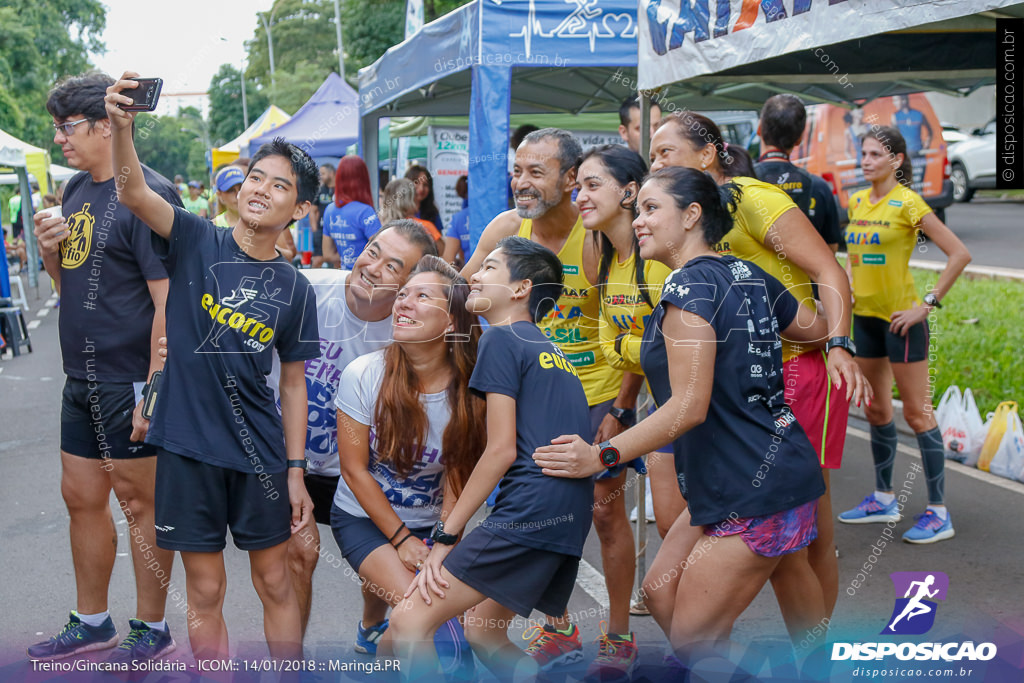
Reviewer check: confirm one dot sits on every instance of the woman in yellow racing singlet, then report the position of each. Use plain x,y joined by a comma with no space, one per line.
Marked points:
609,179
890,324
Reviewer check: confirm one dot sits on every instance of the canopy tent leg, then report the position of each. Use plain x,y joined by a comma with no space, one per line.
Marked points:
488,146
30,236
367,149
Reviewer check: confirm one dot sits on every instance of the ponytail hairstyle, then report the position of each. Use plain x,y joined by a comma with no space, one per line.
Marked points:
717,203
893,143
625,166
401,420
701,131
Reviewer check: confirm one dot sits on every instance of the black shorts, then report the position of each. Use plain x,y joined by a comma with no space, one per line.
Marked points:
96,420
318,242
874,339
517,577
196,503
321,490
357,537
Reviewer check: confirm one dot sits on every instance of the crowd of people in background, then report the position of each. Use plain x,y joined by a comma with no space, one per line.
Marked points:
360,393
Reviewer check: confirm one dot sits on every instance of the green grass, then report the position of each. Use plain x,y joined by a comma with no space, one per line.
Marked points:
985,355
999,194
977,337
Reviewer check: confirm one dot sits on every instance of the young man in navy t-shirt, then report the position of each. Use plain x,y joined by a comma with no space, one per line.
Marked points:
525,555
224,450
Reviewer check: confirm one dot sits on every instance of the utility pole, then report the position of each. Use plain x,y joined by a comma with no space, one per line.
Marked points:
337,27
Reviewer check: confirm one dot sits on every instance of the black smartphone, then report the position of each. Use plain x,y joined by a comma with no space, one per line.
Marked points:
150,393
144,97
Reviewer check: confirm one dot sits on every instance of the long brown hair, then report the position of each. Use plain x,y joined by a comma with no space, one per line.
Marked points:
398,406
892,143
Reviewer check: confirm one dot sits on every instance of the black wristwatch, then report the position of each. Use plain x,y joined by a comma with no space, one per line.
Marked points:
437,535
931,300
842,342
608,453
625,416
304,464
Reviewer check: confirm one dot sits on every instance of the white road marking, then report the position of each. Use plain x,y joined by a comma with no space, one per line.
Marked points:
951,465
592,582
42,312
33,324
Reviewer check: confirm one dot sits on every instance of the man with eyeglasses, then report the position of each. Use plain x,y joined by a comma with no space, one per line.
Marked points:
113,288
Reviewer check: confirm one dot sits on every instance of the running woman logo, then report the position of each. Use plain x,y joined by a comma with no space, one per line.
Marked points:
914,612
75,248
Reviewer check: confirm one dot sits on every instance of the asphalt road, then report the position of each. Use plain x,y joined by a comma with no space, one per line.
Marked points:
984,562
991,229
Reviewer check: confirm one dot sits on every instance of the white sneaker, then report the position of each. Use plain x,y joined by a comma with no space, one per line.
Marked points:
648,507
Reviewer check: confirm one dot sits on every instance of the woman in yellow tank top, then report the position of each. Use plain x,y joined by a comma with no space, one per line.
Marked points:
890,325
609,178
573,323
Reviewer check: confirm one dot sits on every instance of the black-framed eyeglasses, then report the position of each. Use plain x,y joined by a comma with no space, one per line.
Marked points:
68,127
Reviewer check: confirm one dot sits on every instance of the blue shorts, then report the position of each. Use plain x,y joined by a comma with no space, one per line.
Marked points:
357,537
517,577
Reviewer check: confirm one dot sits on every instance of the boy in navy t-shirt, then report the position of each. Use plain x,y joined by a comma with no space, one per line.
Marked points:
525,555
226,458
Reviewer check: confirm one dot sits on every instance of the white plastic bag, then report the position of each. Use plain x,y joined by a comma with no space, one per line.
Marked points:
976,430
1008,460
960,424
952,396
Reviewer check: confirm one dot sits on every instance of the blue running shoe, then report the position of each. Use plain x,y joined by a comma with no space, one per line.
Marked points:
366,638
74,638
454,652
930,528
870,510
143,643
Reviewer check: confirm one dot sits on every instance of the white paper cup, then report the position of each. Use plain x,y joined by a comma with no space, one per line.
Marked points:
52,212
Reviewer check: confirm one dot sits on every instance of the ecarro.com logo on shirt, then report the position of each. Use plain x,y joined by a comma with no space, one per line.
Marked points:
914,612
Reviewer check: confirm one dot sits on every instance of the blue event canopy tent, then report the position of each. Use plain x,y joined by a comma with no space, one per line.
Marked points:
564,57
325,126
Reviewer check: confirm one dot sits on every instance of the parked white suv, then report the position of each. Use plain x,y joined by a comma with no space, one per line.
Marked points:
973,163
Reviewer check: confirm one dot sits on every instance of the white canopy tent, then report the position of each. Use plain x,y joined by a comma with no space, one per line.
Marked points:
24,159
837,51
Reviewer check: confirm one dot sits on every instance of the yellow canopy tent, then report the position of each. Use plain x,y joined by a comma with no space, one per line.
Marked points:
271,118
17,154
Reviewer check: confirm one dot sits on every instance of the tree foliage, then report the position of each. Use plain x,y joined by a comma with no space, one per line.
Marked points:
169,145
226,121
370,27
301,31
41,42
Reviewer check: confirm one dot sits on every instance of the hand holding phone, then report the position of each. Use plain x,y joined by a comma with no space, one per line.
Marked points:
121,107
145,96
